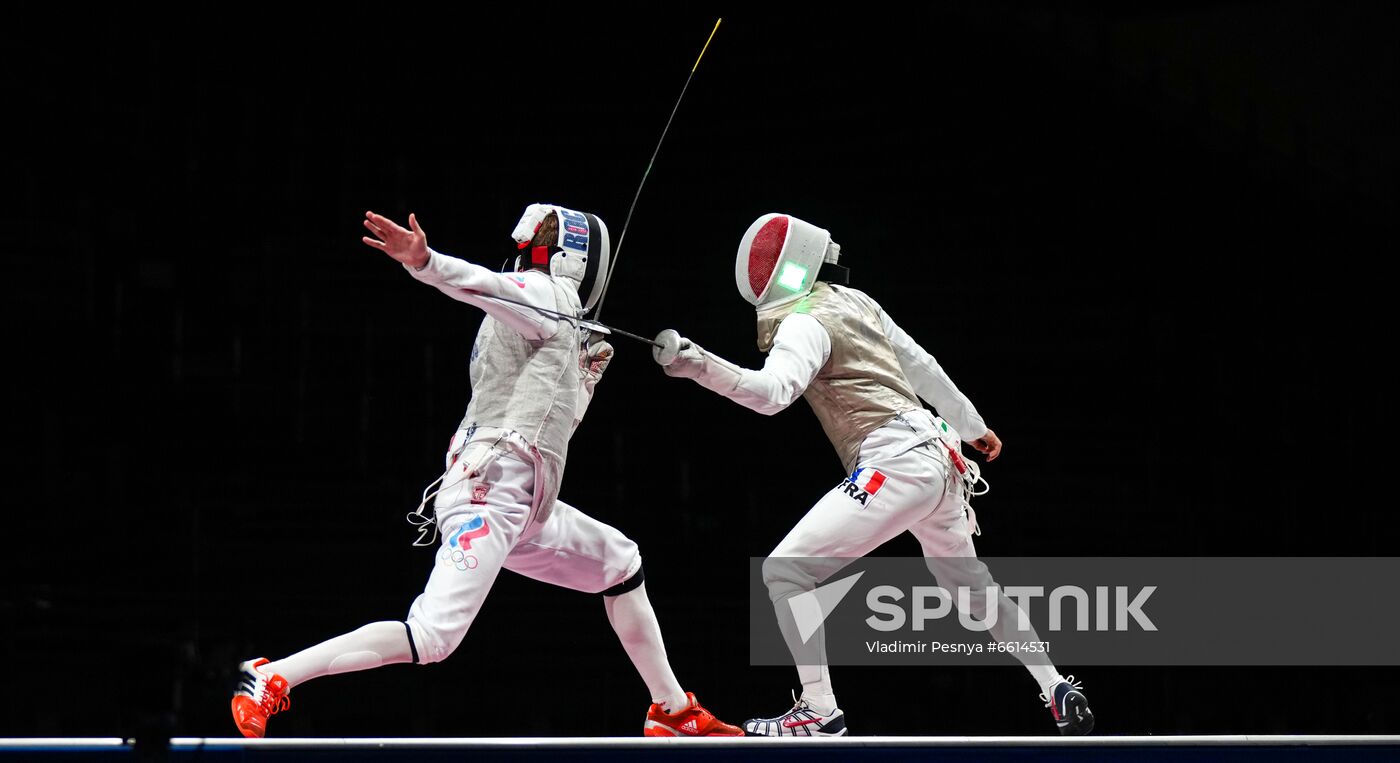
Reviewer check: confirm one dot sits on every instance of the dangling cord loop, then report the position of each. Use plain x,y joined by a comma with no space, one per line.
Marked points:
971,484
972,480
421,521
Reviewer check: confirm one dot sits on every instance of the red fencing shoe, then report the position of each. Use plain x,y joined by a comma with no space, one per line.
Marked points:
691,721
258,697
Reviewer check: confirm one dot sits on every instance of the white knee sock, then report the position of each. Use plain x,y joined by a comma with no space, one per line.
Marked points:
634,621
382,643
1045,675
1009,616
813,673
816,688
1040,667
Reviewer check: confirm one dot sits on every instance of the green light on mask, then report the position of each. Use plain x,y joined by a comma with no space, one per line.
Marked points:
792,276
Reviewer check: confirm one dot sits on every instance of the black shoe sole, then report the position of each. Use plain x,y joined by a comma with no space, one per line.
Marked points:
1079,718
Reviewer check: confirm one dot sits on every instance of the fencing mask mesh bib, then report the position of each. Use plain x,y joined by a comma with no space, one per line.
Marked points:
779,257
581,254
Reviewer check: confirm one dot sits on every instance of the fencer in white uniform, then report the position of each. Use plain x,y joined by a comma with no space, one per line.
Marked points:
533,372
863,376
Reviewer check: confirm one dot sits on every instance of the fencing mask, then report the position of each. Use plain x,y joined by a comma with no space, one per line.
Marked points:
780,257
580,254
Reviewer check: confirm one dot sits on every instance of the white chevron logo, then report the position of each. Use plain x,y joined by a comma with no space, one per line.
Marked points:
810,609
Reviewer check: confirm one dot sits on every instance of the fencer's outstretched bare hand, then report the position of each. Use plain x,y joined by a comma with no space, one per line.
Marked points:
989,445
407,246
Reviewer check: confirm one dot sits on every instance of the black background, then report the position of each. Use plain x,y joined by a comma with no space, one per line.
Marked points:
1149,243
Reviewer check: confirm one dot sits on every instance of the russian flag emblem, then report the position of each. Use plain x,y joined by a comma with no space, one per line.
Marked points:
475,527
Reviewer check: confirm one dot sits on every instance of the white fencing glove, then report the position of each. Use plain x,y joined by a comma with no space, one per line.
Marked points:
594,360
685,359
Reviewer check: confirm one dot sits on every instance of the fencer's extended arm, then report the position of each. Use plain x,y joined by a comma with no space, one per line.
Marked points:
800,348
468,282
932,383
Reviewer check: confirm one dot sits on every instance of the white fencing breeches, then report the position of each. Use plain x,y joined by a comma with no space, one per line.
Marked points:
897,488
913,493
483,511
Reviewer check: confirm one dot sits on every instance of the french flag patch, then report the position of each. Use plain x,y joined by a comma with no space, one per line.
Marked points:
868,479
863,485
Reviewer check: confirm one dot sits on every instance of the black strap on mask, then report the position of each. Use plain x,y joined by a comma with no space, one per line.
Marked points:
833,273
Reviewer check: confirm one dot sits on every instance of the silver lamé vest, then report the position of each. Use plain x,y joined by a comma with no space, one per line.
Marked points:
530,388
862,386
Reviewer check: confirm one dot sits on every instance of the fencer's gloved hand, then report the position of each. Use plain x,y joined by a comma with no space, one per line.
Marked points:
689,360
593,360
596,358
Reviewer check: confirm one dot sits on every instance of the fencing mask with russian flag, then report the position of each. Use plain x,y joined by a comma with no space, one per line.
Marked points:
580,254
780,257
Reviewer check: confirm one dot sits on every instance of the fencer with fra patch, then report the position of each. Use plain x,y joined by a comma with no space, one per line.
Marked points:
863,377
533,371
